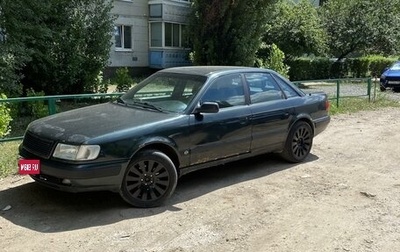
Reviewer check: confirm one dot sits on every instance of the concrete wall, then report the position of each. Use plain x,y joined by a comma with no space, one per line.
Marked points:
135,14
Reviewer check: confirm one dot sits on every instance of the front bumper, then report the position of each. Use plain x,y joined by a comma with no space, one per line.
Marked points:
80,177
390,82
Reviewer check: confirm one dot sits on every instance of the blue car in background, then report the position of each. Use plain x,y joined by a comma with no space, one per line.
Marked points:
390,78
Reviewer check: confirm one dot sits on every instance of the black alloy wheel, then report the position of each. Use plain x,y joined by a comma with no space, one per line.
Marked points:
149,180
298,143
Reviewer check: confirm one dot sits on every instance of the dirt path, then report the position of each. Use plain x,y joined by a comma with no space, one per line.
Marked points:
346,197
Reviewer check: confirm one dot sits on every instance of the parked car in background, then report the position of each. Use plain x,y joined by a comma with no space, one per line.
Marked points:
390,77
176,121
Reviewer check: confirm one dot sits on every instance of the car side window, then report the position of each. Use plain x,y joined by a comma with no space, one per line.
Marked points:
263,87
227,91
287,89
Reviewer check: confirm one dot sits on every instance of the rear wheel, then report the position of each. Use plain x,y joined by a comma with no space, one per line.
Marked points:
298,143
149,180
382,88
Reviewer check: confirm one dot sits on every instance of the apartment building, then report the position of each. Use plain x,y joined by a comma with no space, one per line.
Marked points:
150,34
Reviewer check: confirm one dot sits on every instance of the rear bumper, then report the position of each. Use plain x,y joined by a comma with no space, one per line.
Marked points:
320,124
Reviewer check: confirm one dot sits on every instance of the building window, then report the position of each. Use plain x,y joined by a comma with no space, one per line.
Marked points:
123,36
168,35
155,10
156,35
172,35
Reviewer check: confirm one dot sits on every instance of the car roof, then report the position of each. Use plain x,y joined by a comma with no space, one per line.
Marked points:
210,70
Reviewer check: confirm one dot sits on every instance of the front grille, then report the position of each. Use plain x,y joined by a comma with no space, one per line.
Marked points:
38,146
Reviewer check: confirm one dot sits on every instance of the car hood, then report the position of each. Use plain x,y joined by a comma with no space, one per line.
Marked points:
99,121
391,72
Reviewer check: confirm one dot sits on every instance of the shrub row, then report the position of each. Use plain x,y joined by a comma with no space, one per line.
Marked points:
5,117
304,68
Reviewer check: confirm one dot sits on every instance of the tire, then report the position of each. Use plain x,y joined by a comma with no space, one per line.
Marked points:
298,143
382,88
149,180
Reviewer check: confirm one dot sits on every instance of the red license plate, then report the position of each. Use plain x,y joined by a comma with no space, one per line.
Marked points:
28,166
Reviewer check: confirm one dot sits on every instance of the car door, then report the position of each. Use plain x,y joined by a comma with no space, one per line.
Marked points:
271,112
226,133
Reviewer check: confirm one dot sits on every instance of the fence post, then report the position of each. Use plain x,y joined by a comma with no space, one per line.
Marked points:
337,92
52,106
369,90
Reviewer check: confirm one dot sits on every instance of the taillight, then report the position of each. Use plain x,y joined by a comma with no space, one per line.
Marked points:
327,105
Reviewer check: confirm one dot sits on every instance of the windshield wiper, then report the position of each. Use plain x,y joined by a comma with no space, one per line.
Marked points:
148,105
120,101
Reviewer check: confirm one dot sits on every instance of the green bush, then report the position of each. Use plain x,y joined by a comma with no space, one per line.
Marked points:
123,79
359,67
36,109
311,68
304,68
379,63
5,117
339,69
299,69
274,61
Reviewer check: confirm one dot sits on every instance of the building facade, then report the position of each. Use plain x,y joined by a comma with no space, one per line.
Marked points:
150,34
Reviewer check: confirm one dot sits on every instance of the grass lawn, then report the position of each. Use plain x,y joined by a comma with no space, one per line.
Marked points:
9,158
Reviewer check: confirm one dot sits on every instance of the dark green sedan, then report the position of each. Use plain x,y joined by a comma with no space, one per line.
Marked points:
176,121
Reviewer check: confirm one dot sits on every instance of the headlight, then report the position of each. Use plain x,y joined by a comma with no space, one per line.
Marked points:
76,152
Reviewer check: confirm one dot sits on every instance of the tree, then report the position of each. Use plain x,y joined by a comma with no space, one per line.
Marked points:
66,43
19,21
77,49
10,62
227,32
359,26
295,28
387,41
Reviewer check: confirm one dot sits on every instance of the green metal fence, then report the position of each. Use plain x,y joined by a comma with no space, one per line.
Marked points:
336,89
52,103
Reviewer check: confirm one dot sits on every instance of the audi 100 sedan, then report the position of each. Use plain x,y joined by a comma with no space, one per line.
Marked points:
176,121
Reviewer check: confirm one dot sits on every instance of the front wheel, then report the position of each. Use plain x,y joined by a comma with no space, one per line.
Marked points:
298,143
149,180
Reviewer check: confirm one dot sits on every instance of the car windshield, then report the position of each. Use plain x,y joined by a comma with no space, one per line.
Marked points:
396,66
164,92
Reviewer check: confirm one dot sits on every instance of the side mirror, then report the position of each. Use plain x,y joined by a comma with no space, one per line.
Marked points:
207,107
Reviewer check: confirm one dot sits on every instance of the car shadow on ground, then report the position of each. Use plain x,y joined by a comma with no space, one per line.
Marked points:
49,211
